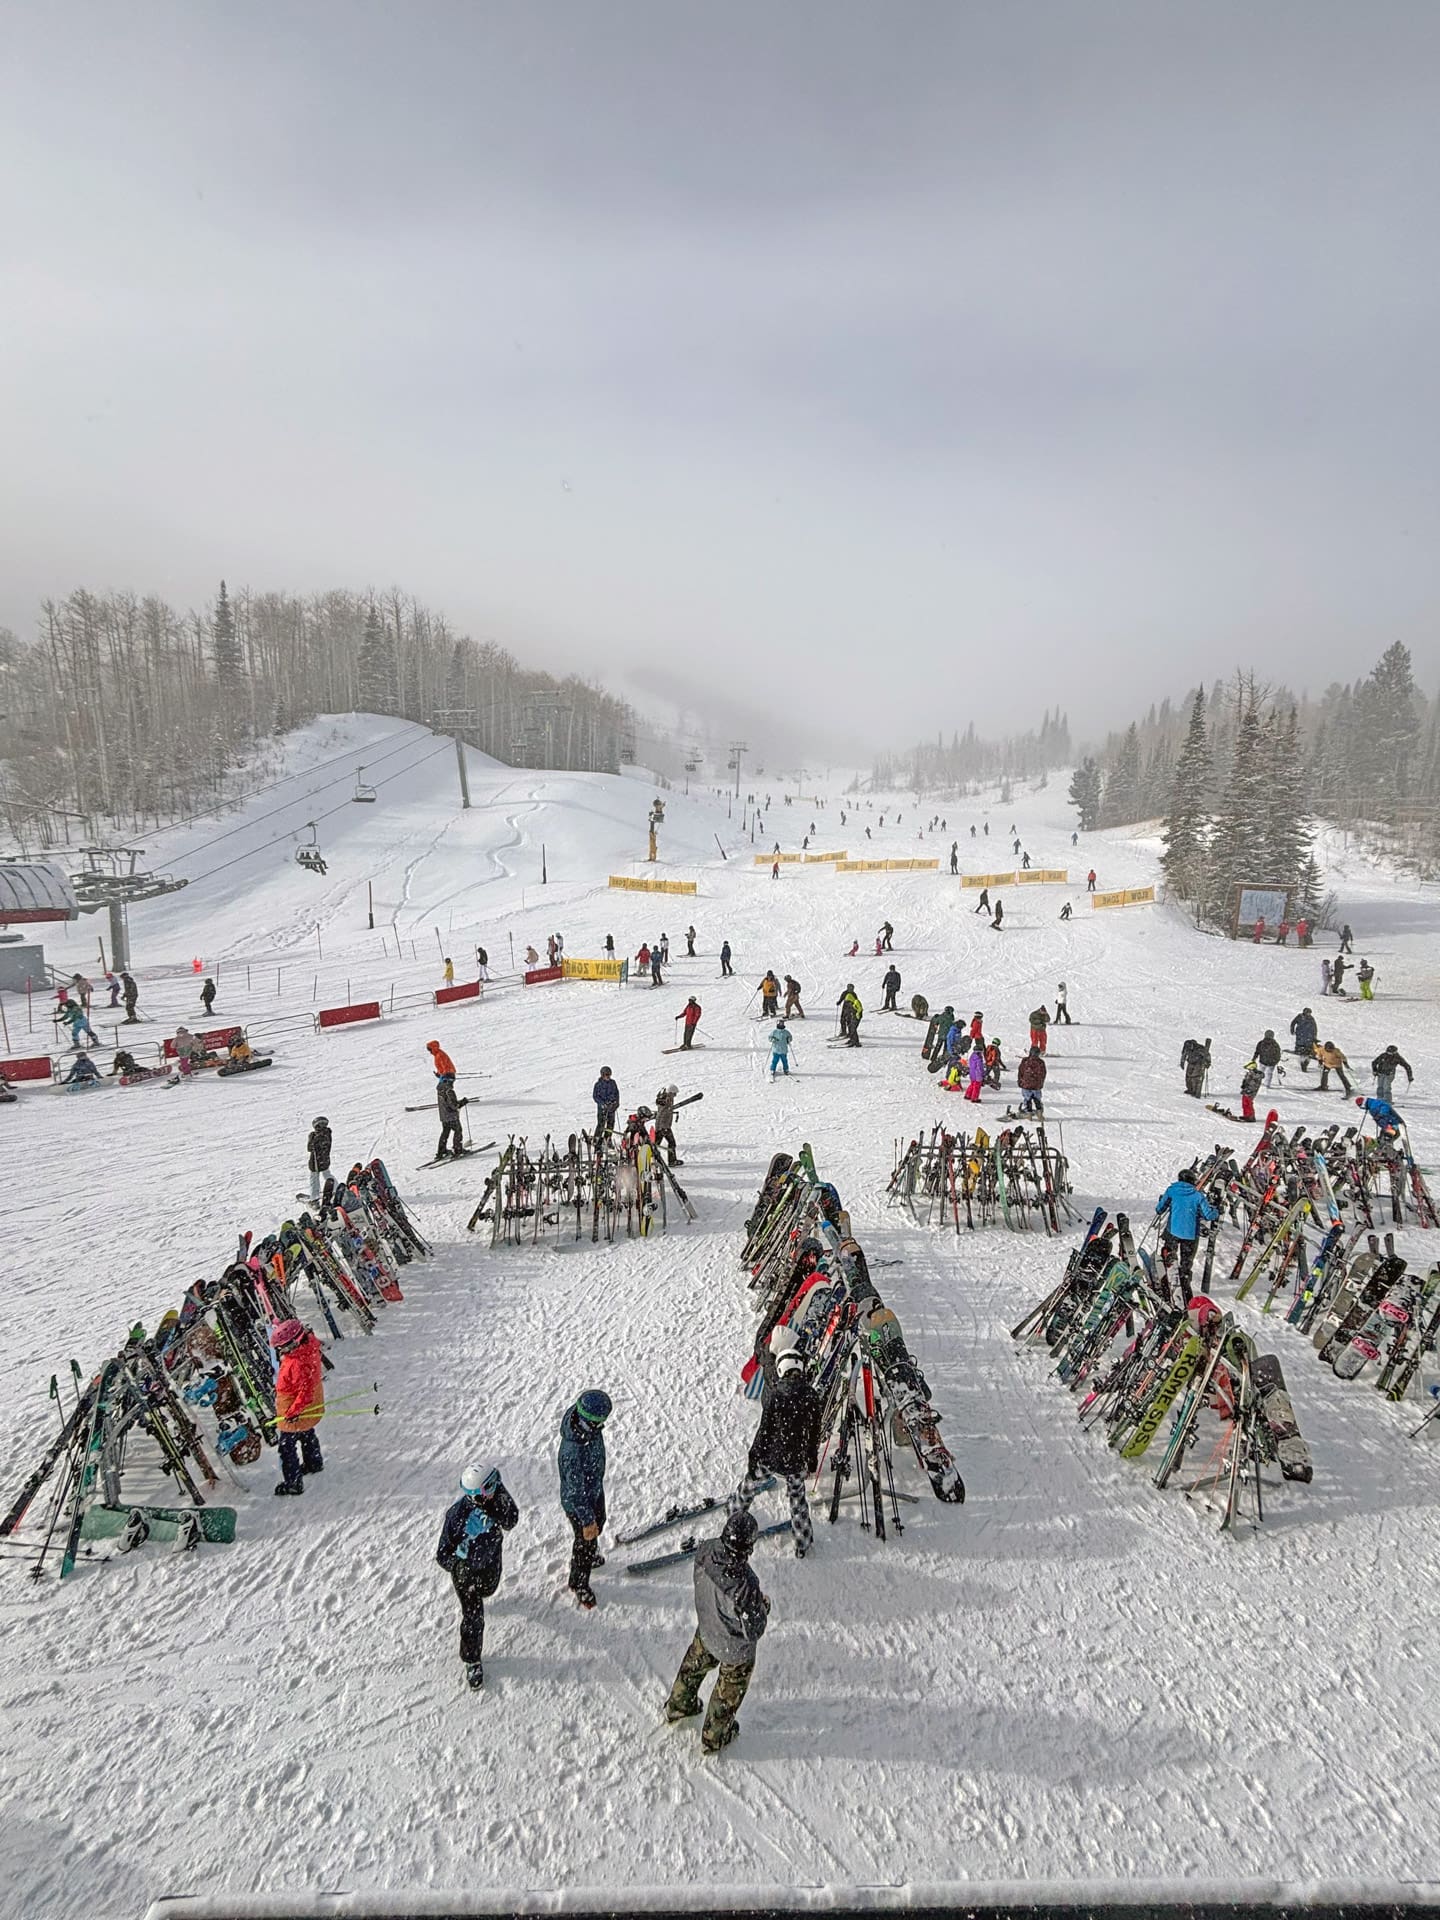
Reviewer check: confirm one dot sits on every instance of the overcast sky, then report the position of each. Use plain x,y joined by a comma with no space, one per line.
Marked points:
905,363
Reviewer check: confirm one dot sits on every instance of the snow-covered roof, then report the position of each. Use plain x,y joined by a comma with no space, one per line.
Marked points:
35,892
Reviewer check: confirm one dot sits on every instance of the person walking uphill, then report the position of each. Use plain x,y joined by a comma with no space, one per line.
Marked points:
472,1551
731,1614
299,1403
891,983
317,1153
581,1461
1306,1032
606,1095
1195,1059
786,1444
1183,1208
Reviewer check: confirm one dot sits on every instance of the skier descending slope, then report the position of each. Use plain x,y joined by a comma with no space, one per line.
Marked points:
582,1486
471,1551
787,1441
731,1614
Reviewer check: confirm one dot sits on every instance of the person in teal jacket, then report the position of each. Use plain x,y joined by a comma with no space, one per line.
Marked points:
780,1049
1184,1208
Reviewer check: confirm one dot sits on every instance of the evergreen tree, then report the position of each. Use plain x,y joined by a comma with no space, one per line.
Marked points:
1240,853
375,668
225,644
1187,829
1390,726
1287,834
1085,794
1122,783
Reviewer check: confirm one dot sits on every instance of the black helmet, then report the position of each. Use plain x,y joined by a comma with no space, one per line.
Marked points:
319,1121
739,1532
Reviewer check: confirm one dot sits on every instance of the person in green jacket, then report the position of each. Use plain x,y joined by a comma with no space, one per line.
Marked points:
851,1013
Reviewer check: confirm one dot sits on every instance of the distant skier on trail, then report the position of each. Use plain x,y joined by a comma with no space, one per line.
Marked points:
984,906
891,983
793,1008
690,943
1090,881
581,1463
1195,1059
998,921
954,856
887,934
769,996
207,996
1346,938
472,1551
780,1040
1062,1007
725,967
1066,911
606,1095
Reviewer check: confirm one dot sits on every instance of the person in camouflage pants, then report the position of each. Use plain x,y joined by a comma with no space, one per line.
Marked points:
731,1614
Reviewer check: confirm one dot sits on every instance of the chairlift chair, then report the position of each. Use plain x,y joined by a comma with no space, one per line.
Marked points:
362,791
310,856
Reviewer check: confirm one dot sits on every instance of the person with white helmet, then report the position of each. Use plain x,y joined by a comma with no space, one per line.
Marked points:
471,1551
786,1443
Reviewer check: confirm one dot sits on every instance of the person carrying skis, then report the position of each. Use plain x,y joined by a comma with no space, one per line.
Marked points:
1062,1006
606,1095
850,1015
449,1104
887,933
731,1614
769,996
780,1049
689,943
786,1444
975,1070
1039,1023
1306,1033
130,993
1030,1077
793,1008
996,923
1365,974
1090,881
891,984
725,967
1267,1055
1383,1067
1251,1081
299,1404
663,1133
689,1020
984,906
1195,1059
1387,1121
439,1059
317,1153
1332,1060
472,1551
1184,1209
581,1463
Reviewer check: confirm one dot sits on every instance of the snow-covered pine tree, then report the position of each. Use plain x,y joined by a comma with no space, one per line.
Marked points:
1287,829
1239,849
224,643
1122,783
1187,830
1390,727
1085,794
375,669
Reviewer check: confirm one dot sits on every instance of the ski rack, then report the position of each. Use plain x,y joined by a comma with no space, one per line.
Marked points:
610,1186
1018,1176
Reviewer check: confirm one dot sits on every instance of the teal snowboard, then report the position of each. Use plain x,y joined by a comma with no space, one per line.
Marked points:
103,1523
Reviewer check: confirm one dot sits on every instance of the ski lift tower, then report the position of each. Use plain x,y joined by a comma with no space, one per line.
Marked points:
453,720
738,750
113,878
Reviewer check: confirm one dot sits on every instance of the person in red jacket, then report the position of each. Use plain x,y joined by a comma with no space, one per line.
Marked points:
691,1018
1090,881
299,1403
442,1060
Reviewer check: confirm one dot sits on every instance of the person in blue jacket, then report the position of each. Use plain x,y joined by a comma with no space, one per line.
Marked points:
471,1551
780,1049
606,1095
1387,1121
582,1485
1184,1209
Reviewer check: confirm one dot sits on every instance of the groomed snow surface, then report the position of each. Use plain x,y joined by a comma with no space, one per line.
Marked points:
1071,1676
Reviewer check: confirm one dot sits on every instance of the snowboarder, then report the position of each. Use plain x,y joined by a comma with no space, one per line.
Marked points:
581,1462
780,1040
725,967
299,1404
769,995
851,1013
891,984
1039,1022
1387,1121
690,1019
1346,938
663,1134
606,1095
1062,1006
1066,911
1250,1084
440,1059
1195,1059
984,906
731,1614
130,993
317,1153
1183,1208
1267,1056
793,1008
471,1550
1305,1031
690,943
1025,863
449,971
1030,1077
1365,974
786,1444
1090,881
83,1072
998,920
1332,1060
1383,1067
887,934
449,1105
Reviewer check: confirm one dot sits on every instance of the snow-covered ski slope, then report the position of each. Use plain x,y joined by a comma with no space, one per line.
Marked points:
1072,1675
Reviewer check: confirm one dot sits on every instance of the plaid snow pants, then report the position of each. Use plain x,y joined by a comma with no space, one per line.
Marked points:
800,1526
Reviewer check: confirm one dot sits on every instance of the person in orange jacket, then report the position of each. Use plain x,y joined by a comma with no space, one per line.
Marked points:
299,1403
442,1060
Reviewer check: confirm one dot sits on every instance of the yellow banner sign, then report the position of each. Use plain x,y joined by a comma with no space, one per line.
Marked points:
1125,897
911,866
884,866
812,859
785,859
987,879
1041,876
591,969
860,866
653,886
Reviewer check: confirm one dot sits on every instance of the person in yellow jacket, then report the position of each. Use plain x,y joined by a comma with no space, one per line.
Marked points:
851,1013
1332,1060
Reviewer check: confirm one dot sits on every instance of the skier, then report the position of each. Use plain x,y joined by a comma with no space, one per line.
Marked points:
449,1107
976,1072
449,971
663,1133
207,996
299,1403
786,1444
606,1095
1039,1022
482,964
984,906
655,979
642,958
731,1614
1383,1067
972,829
689,943
1090,881
130,993
317,1153
954,856
1387,1121
780,1040
995,924
690,1019
769,995
83,990
1025,863
725,967
1332,1060
1250,1084
887,933
1365,974
1305,1032
471,1550
1267,1056
1066,911
581,1461
1062,1006
114,985
1337,975
1184,1208
665,948
891,984
609,946
72,1016
793,1008
855,948
1195,1059
440,1059
1030,1077
1075,839
1346,938
774,869
1016,849
851,1013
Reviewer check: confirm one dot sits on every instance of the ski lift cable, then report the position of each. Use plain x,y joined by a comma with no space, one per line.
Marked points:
300,773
